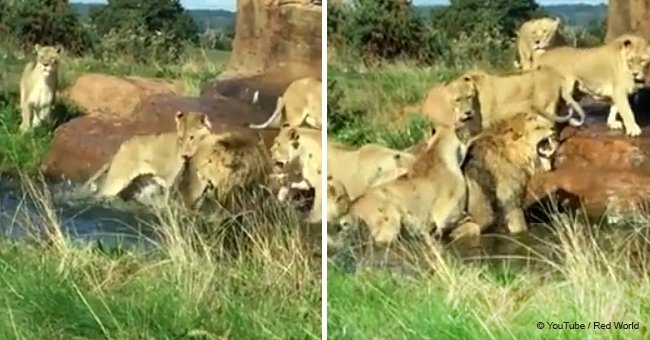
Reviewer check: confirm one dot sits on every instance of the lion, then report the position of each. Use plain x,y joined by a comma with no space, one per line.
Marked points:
338,199
498,165
302,145
224,163
431,195
454,100
535,37
611,72
162,155
542,89
38,87
301,102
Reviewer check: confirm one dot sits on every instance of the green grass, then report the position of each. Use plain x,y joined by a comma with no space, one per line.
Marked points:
192,285
587,276
25,153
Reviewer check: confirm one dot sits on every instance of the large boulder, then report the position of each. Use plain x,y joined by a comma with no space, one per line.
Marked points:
112,96
81,146
625,16
596,169
276,42
269,34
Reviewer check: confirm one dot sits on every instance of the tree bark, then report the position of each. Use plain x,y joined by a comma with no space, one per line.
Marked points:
628,16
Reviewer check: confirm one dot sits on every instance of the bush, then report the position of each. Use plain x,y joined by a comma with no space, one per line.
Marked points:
46,22
144,29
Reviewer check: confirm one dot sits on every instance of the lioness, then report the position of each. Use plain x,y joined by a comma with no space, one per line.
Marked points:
303,145
430,195
534,37
540,89
455,99
301,102
225,162
610,71
38,87
163,155
499,163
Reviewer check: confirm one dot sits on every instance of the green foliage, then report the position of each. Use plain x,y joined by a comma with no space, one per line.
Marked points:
144,30
45,22
472,15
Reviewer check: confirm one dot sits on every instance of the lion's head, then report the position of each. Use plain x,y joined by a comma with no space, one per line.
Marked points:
285,145
462,98
47,57
191,129
636,53
541,32
338,199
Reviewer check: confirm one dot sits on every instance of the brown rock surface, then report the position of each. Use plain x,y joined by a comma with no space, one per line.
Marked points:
112,96
596,168
81,146
276,42
625,16
276,33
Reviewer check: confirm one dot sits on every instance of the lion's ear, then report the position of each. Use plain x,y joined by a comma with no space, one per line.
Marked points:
179,116
58,49
205,120
627,43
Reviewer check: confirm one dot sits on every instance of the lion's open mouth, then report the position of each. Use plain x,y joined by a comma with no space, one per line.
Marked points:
547,146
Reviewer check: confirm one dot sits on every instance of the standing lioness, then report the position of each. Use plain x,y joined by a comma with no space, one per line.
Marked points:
610,71
38,87
301,102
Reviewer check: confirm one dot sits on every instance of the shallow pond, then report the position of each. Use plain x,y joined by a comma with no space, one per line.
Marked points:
22,214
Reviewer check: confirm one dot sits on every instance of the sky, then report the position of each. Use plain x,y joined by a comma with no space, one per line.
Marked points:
231,4
541,2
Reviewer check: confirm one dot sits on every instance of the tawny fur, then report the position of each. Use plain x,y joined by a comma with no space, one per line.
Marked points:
610,72
499,163
535,37
542,89
301,103
430,195
162,155
38,87
225,162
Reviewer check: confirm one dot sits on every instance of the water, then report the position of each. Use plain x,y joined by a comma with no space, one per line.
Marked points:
80,219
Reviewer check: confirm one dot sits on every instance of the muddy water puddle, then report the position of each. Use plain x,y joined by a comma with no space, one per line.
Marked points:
113,223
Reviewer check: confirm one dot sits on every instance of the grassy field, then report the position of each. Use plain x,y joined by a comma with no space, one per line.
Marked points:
256,275
587,273
24,153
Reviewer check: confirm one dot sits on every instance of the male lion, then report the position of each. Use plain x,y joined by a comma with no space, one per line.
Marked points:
224,162
534,37
38,87
610,71
499,163
430,195
162,155
301,102
542,89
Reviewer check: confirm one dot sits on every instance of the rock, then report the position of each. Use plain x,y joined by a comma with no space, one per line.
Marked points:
106,95
276,42
625,16
269,34
269,85
596,168
81,146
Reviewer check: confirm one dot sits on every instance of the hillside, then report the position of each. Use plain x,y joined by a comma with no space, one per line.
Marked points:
572,14
216,19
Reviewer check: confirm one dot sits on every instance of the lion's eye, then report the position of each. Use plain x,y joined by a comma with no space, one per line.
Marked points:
191,137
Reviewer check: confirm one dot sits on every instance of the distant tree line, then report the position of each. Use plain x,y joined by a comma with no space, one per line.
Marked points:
457,34
136,29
